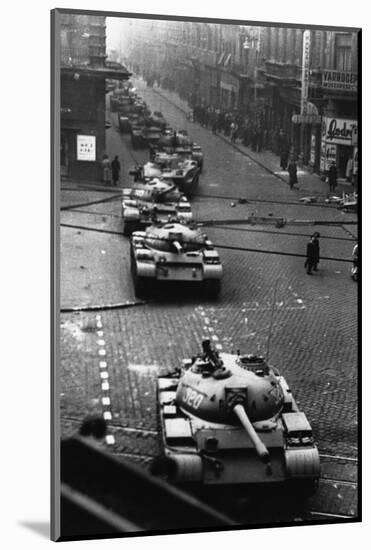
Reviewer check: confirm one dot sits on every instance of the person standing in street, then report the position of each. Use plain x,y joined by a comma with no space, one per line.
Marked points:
115,167
293,177
315,238
284,149
332,176
234,130
311,256
106,170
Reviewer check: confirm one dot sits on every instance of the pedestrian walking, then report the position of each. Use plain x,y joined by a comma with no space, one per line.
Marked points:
311,256
234,130
259,139
349,170
254,139
315,237
332,176
284,149
115,167
106,170
293,177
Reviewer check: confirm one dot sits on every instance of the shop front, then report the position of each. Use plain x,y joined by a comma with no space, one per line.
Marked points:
338,143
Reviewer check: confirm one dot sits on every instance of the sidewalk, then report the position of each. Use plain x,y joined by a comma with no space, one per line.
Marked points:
310,184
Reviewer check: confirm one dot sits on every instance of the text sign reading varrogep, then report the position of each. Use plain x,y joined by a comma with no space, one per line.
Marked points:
86,148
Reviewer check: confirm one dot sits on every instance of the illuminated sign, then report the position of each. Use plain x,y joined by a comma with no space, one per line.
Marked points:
86,148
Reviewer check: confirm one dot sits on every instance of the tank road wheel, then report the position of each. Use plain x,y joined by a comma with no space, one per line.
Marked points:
212,288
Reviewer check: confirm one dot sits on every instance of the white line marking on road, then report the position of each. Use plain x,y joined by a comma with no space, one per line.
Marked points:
107,415
214,337
101,342
299,301
105,386
100,333
218,346
102,352
99,324
104,375
98,317
110,440
132,366
102,364
106,401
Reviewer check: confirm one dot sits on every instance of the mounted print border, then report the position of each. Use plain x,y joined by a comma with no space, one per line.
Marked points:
201,170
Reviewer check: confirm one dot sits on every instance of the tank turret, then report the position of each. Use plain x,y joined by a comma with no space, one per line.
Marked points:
232,389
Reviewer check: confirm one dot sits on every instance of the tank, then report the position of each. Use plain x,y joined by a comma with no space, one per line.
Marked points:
174,252
231,420
180,169
154,201
178,142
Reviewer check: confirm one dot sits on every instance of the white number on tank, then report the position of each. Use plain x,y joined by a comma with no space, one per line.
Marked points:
192,398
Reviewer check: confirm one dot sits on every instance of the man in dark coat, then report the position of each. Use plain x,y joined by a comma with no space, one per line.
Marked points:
293,178
332,176
315,238
311,256
115,167
284,149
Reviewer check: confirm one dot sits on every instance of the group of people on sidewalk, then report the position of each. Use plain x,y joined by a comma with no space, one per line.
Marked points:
111,170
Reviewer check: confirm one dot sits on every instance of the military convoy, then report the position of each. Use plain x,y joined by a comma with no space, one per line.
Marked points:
226,419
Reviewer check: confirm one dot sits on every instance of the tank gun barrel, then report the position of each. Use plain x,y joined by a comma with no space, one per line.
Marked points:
261,449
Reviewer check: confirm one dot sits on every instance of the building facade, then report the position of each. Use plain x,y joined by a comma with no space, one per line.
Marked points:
83,75
303,82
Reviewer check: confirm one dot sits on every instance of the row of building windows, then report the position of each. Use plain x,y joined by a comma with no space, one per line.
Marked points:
284,45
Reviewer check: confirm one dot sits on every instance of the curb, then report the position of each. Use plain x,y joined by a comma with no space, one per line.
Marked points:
122,305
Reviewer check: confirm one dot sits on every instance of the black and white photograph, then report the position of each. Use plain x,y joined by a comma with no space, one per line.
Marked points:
205,192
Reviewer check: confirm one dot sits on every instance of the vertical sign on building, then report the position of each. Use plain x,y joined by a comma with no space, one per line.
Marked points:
305,73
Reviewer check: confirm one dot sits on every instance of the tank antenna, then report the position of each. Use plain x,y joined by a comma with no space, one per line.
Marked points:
271,319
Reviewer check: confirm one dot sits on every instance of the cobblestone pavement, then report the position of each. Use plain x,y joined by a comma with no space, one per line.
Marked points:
110,358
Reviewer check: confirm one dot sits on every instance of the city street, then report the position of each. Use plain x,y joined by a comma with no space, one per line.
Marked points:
113,346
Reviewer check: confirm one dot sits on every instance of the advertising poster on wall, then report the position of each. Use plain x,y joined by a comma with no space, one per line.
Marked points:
86,148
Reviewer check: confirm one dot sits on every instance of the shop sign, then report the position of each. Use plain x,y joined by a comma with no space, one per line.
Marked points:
338,130
305,73
340,80
86,148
